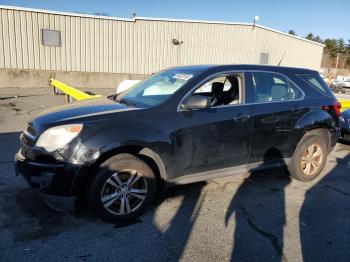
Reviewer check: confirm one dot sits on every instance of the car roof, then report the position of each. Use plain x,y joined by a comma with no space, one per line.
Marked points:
233,67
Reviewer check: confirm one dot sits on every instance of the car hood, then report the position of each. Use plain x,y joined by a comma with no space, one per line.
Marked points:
78,110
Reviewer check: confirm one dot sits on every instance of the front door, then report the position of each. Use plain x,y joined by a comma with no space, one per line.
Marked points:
215,137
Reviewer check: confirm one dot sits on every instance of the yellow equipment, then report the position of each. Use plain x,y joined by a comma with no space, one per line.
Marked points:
70,92
345,104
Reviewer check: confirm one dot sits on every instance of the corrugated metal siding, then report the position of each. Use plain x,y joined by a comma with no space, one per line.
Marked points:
142,46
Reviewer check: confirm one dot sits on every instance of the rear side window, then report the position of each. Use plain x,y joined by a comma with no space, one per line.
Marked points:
316,81
271,87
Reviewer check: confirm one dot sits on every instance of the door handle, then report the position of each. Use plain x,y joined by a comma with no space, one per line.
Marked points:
296,108
241,117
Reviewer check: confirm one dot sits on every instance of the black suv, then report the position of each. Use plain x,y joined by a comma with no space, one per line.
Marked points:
181,125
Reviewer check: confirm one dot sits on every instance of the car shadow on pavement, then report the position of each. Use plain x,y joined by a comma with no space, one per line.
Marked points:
178,231
21,210
325,214
258,234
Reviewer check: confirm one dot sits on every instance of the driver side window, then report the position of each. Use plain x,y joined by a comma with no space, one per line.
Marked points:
223,90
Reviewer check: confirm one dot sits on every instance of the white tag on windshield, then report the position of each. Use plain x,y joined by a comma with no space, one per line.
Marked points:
183,76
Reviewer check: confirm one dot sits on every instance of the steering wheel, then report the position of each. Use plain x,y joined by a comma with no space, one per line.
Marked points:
213,100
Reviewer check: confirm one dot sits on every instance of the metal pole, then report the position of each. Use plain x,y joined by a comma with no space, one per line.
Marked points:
336,64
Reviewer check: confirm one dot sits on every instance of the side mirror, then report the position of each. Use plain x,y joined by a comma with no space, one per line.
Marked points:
196,102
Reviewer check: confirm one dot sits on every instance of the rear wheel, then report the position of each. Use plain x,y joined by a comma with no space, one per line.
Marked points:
122,188
309,157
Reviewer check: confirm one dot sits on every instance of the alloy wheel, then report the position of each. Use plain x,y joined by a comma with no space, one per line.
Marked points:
124,192
311,159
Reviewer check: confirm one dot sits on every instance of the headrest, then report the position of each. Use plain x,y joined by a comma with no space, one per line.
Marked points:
234,81
217,87
279,92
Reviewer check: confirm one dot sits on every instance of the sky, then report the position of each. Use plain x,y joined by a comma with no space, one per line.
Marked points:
328,19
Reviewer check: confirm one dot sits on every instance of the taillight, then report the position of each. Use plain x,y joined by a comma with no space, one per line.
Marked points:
337,107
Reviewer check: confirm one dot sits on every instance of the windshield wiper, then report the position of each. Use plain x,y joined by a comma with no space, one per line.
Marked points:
126,102
121,100
112,97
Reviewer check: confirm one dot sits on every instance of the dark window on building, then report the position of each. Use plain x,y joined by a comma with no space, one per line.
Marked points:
51,37
264,58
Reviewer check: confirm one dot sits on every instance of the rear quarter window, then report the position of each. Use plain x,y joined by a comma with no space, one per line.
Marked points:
316,81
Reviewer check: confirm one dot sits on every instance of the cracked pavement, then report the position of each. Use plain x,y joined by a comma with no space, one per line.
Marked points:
264,216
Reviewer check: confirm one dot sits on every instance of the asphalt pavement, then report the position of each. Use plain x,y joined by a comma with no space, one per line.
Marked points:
262,216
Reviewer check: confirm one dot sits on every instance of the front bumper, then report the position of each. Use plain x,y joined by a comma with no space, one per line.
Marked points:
53,181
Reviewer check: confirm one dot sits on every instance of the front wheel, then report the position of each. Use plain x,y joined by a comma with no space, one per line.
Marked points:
309,157
122,188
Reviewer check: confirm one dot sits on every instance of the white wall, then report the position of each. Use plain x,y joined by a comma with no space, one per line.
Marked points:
141,45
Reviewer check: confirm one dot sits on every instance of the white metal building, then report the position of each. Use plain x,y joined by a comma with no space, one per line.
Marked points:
43,41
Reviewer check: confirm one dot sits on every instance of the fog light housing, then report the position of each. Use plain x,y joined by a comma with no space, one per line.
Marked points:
44,180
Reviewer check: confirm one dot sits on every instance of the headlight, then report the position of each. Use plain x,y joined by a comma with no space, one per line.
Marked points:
58,136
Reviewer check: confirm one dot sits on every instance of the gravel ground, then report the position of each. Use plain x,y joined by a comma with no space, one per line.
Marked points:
262,216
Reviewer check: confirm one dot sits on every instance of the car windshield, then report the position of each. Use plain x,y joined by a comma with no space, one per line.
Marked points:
157,88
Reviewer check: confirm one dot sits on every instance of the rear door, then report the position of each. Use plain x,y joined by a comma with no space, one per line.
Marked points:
278,104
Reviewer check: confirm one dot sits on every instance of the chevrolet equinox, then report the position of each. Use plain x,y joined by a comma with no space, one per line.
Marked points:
181,125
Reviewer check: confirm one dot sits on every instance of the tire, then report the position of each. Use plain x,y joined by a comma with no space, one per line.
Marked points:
306,166
122,188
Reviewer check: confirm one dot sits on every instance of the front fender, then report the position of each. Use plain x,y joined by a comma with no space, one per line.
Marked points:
147,142
87,170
